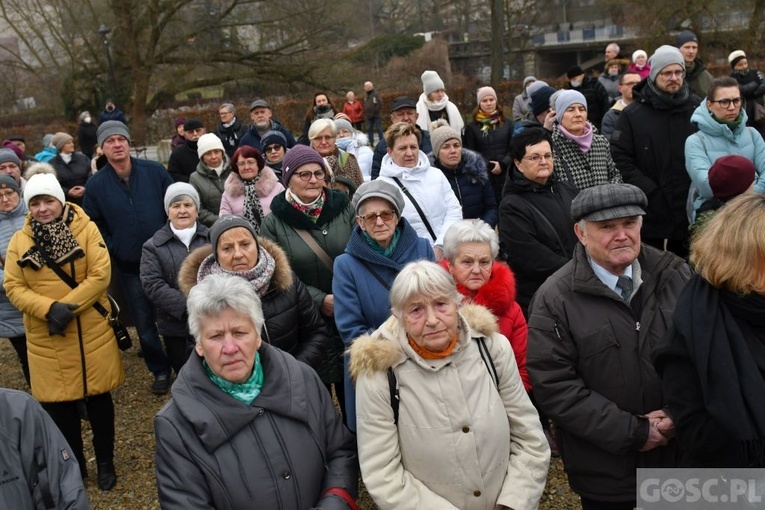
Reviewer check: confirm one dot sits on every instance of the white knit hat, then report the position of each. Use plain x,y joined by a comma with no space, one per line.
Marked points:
180,189
431,82
43,184
639,53
208,142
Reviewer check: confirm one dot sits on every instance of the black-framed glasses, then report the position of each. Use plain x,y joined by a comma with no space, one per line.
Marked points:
536,158
273,148
669,74
725,103
306,175
371,219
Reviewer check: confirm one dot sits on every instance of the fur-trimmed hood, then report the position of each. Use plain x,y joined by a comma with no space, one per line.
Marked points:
281,280
384,348
268,179
498,294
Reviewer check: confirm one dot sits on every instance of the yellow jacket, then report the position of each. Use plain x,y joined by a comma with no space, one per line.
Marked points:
56,363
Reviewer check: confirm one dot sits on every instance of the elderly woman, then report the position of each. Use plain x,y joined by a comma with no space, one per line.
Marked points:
356,144
430,205
313,223
13,212
582,155
344,166
381,244
711,364
536,232
161,261
274,145
72,168
434,104
292,322
248,423
434,375
56,271
466,172
212,172
250,188
722,131
470,251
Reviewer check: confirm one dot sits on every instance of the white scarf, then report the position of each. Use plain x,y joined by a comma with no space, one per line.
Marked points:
66,157
437,106
185,234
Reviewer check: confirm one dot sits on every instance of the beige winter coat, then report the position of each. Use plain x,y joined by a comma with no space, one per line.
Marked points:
459,443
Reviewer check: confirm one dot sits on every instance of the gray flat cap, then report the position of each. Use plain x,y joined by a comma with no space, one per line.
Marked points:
259,103
608,201
379,189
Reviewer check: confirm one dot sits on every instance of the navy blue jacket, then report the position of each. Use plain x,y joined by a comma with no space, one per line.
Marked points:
381,149
252,137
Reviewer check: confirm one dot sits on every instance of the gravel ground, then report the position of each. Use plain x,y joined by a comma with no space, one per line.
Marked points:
135,409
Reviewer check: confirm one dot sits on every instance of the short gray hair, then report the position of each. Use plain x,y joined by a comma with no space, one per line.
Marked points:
320,125
469,231
421,278
230,108
217,293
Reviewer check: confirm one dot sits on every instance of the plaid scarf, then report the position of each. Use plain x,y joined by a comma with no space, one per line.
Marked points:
312,210
56,239
259,276
492,121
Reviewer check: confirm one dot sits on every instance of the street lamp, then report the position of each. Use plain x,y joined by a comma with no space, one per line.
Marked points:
104,31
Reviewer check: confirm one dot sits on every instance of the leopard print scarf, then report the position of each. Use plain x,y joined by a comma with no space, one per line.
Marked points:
56,239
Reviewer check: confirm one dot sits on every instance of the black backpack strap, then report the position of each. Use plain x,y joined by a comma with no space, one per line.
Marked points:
394,396
417,207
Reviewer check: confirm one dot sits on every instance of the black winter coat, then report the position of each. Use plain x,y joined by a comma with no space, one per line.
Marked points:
471,185
231,136
161,261
293,323
87,138
648,147
183,161
533,250
752,86
74,173
493,145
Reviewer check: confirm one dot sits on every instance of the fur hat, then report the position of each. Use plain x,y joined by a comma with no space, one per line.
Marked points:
225,223
180,189
485,91
60,139
664,56
440,132
208,142
734,57
431,82
110,128
685,36
43,184
296,157
565,99
379,189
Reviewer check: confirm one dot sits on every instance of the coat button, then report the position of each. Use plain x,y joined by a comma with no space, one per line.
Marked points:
465,429
260,413
477,494
286,475
324,232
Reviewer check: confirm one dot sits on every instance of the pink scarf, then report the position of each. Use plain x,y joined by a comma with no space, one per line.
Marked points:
584,141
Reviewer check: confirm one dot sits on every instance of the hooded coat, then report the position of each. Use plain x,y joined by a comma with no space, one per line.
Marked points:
86,361
497,452
232,200
210,187
281,452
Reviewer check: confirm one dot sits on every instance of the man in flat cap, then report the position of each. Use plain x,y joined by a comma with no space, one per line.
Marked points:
263,122
592,326
184,158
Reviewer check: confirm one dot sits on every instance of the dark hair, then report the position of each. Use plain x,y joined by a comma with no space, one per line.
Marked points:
247,151
625,73
720,83
310,113
529,136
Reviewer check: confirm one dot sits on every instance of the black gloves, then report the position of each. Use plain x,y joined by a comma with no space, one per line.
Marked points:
59,316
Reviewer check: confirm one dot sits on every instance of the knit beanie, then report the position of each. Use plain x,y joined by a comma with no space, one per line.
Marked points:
178,190
225,223
527,80
729,176
43,184
684,37
7,144
565,99
192,124
536,86
208,142
485,91
46,139
60,139
297,157
379,189
431,82
734,57
639,53
7,155
110,128
8,182
664,56
440,132
343,124
273,137
180,121
540,99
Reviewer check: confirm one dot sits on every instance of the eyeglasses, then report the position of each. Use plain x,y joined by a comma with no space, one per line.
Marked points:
536,158
273,148
7,195
247,163
306,175
670,74
371,219
725,103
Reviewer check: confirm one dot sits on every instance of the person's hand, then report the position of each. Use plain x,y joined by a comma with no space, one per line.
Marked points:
665,424
549,122
76,191
59,316
495,168
328,305
655,438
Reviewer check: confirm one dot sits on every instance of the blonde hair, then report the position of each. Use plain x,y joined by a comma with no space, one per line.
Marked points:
729,251
400,129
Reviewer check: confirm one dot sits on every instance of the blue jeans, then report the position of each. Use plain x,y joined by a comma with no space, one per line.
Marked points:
145,324
372,123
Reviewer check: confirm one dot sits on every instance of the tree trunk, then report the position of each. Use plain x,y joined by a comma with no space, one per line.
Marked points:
497,37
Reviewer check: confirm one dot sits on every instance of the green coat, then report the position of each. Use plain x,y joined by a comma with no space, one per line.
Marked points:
210,189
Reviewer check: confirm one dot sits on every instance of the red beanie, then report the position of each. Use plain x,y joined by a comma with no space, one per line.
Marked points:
730,176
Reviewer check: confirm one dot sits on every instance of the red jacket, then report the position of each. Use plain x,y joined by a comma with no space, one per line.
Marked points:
498,295
354,111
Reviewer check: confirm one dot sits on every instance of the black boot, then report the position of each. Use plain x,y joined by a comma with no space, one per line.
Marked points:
107,478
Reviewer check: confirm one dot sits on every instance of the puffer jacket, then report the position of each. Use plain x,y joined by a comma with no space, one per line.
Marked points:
292,322
210,187
267,187
470,184
161,262
432,192
589,362
714,140
74,173
281,452
11,322
86,361
497,453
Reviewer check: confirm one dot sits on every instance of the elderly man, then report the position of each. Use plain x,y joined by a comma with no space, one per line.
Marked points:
372,109
592,325
184,158
626,81
10,164
262,122
696,74
230,130
126,201
648,147
403,109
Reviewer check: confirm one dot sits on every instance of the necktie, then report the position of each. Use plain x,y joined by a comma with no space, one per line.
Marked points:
624,284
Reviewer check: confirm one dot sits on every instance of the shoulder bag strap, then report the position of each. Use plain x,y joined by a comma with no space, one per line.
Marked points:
315,248
394,396
417,207
374,273
488,361
546,221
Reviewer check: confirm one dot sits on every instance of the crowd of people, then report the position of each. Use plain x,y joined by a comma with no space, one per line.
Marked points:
478,292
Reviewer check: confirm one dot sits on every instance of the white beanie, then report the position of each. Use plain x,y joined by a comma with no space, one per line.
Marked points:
639,53
208,142
431,82
43,184
180,189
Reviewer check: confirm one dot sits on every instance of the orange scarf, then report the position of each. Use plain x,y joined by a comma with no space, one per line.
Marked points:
426,354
